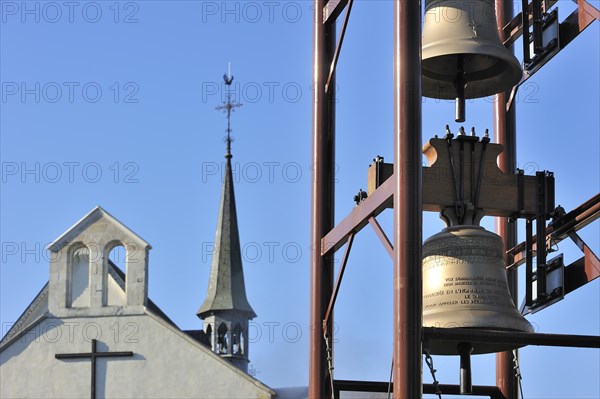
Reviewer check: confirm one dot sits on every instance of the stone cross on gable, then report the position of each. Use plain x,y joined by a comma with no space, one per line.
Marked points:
93,355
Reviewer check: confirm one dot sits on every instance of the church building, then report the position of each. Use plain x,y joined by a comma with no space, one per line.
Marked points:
92,331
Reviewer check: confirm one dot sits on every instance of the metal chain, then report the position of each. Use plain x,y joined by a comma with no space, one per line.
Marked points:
329,362
436,383
517,369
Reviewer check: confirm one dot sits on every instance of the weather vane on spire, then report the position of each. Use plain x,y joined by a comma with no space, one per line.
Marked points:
228,107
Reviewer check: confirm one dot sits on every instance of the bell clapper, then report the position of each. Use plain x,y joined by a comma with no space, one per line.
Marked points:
460,83
465,349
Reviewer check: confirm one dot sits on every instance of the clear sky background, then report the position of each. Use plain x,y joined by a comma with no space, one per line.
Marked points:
113,104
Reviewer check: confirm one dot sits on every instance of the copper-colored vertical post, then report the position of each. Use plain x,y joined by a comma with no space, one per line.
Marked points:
407,200
505,131
322,198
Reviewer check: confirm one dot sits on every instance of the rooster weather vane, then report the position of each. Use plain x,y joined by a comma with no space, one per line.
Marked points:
228,107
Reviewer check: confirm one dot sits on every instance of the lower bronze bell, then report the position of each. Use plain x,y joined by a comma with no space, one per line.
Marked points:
465,286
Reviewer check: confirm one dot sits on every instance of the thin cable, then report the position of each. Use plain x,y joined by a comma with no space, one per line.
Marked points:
389,392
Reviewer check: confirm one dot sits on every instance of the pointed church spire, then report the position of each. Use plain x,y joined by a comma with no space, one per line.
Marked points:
226,310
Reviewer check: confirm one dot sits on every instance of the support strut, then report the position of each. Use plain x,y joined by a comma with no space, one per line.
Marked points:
505,131
322,198
407,219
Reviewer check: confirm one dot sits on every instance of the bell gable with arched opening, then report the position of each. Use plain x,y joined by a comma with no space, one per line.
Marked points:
79,283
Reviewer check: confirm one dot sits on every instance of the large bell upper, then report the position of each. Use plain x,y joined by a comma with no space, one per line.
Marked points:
465,286
461,38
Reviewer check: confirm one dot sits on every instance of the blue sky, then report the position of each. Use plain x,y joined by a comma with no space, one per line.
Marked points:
113,104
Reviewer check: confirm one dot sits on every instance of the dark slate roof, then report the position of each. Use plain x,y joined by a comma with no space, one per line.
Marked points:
198,335
226,289
115,271
30,316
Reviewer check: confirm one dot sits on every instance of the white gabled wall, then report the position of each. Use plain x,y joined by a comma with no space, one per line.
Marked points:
166,362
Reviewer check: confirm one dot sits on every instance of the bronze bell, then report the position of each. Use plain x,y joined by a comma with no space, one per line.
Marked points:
462,55
465,286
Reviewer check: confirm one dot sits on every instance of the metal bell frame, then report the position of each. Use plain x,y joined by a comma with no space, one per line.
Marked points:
406,194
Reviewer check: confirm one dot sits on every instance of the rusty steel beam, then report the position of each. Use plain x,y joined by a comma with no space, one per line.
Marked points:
358,218
591,263
569,29
588,9
574,221
338,48
338,283
585,269
322,199
577,274
499,194
517,338
478,390
333,9
576,23
447,389
408,204
382,198
581,272
385,241
505,132
514,29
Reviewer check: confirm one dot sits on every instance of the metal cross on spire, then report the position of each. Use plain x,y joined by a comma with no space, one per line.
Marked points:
228,107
